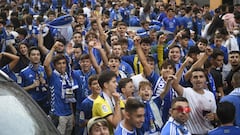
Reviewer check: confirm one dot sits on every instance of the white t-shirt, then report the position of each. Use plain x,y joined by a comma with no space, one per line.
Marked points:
136,80
197,124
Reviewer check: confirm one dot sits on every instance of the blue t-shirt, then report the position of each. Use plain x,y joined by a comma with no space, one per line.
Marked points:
235,100
170,24
6,69
82,79
158,84
151,114
120,130
85,110
58,105
187,22
126,68
28,76
225,130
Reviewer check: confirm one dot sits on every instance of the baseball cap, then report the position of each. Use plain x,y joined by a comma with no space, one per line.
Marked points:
94,121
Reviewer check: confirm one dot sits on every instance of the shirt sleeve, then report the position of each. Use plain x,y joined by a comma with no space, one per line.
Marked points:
101,108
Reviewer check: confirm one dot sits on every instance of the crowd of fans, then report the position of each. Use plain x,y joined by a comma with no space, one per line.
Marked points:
126,67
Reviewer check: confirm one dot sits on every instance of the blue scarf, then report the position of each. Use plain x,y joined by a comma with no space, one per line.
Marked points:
212,84
149,119
67,87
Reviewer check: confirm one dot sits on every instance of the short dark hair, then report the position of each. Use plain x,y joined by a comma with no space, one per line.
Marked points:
236,79
167,63
146,40
179,99
216,53
234,52
76,32
84,56
92,78
174,46
105,77
123,82
122,41
199,69
62,40
203,40
22,31
226,112
91,33
112,56
194,50
58,57
33,48
133,104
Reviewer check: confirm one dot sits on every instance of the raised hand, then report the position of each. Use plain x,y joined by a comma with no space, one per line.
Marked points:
137,41
208,50
188,61
116,97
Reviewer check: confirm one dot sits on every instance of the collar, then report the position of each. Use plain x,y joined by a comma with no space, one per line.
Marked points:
235,92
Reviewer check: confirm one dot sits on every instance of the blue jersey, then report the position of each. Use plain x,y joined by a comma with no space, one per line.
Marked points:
187,22
134,21
6,69
84,114
57,84
199,23
161,16
126,68
170,24
234,98
153,121
158,84
174,128
120,130
28,76
83,81
225,130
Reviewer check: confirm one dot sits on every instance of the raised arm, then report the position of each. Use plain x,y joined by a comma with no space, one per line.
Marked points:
160,52
200,62
102,35
48,59
142,57
42,48
14,59
92,57
167,86
176,86
179,35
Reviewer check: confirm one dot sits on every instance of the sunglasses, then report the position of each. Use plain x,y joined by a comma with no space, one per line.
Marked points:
181,109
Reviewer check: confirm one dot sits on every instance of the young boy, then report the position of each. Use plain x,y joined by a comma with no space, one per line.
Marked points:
126,88
153,119
84,112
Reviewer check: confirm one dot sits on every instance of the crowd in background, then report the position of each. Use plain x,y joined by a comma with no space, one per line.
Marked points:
86,59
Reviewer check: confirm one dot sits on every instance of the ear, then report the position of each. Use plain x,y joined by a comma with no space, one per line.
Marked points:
170,111
105,85
127,115
123,90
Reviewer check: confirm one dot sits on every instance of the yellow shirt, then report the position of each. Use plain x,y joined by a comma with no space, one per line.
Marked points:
102,108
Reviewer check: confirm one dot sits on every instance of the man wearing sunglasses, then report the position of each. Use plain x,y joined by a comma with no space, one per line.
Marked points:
179,115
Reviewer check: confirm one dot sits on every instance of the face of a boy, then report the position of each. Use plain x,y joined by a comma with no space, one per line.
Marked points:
145,92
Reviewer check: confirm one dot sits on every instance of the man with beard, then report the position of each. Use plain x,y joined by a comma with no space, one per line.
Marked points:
234,61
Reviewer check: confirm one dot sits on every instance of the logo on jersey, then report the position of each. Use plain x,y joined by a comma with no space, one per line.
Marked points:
81,115
104,108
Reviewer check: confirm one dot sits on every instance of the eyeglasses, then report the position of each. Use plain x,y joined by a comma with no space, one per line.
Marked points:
181,109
